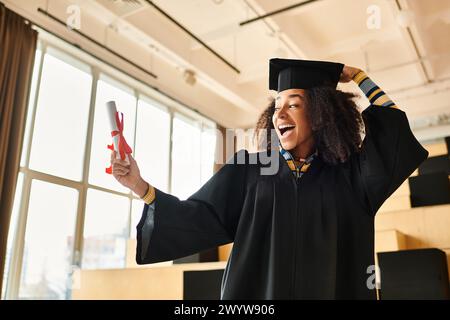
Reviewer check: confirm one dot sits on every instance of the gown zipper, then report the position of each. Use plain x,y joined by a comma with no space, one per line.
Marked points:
297,229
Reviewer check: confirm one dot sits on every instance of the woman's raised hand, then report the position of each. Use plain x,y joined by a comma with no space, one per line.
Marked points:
128,174
348,73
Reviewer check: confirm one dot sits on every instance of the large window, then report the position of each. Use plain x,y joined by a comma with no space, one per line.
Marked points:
68,212
186,166
61,117
153,143
105,230
193,147
47,255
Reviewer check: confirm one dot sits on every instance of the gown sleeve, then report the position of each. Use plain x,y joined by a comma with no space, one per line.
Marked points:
208,218
389,153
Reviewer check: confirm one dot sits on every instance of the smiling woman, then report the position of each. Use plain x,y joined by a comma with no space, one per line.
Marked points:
291,122
321,117
307,229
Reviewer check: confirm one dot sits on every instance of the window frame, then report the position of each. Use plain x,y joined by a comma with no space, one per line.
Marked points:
141,92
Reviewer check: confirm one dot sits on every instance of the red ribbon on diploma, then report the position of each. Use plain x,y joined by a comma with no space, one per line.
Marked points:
124,148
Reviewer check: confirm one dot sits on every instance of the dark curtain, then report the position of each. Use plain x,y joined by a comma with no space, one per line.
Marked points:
17,49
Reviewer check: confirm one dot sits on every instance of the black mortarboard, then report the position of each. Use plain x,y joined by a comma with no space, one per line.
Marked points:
302,74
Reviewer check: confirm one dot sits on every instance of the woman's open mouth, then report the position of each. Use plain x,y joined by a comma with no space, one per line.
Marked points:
285,129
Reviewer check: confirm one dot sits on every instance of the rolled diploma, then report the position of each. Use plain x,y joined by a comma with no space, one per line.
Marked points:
111,109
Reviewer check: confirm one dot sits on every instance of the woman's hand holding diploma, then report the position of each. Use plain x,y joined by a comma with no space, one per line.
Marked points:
128,175
123,166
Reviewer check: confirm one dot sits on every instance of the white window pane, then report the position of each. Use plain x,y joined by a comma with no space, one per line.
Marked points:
152,144
59,135
12,230
136,213
185,157
37,61
100,155
105,230
208,152
49,243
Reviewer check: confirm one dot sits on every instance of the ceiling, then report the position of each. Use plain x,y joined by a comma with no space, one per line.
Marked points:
404,45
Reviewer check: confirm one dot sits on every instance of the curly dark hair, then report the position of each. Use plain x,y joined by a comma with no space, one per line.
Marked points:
335,121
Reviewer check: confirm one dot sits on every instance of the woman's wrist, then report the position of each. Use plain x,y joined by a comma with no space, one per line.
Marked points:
359,77
356,72
141,187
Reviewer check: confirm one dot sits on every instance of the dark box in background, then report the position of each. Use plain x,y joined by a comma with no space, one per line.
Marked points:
429,189
414,274
202,285
435,164
211,255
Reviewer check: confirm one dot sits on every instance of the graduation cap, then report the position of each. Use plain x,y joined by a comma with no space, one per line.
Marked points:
302,74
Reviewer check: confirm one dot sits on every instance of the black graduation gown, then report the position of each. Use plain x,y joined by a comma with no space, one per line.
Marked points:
311,238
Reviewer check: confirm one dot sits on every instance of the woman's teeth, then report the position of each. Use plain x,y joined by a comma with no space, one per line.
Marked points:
285,127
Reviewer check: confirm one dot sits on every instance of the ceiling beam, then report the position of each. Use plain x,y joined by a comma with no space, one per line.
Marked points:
275,29
57,20
276,12
217,34
411,40
192,35
165,40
